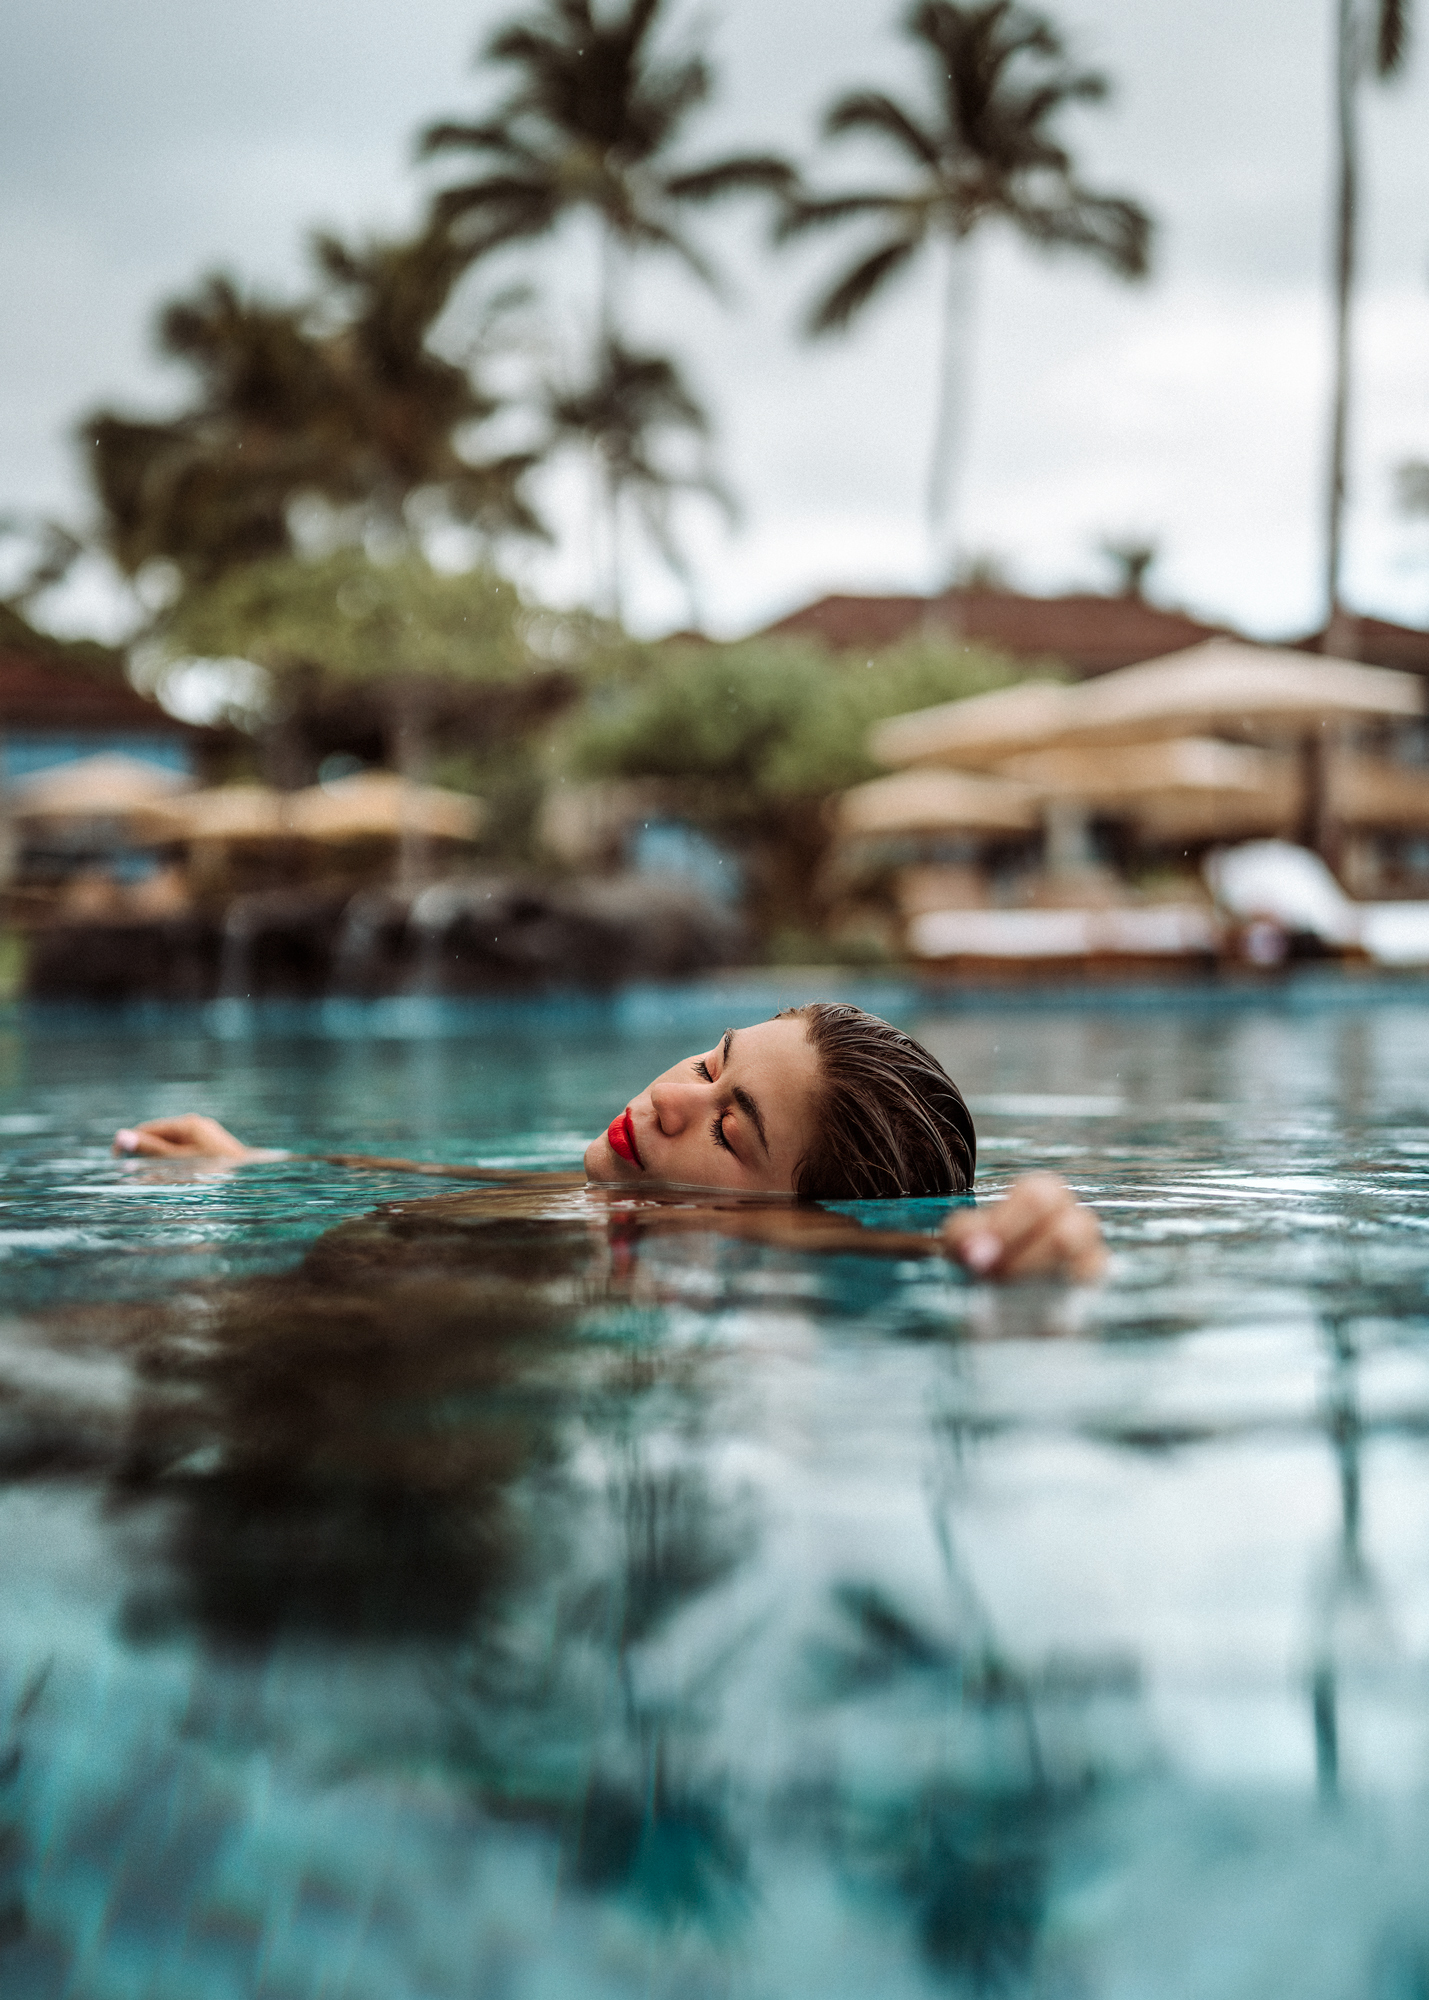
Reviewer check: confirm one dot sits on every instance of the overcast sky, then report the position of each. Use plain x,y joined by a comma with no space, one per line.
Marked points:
144,142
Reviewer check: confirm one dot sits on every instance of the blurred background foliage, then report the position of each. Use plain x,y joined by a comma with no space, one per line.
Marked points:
767,719
317,535
746,742
353,618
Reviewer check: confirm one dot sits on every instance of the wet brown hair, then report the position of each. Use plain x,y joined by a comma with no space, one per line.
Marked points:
889,1120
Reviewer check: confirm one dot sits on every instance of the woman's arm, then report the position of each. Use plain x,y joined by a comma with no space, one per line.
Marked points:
191,1136
1039,1229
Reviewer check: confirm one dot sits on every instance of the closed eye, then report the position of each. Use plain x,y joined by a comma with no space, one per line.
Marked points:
717,1134
702,1069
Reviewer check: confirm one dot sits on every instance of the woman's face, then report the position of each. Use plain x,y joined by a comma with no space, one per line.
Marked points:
738,1116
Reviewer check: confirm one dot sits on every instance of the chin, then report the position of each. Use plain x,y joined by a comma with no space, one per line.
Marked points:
603,1163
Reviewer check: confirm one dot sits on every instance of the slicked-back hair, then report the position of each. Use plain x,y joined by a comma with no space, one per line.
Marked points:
888,1120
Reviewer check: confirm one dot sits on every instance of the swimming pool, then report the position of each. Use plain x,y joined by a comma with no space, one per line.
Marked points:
434,1601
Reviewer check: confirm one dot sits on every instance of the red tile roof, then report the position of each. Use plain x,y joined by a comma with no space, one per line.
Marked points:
44,693
1378,643
1089,633
49,683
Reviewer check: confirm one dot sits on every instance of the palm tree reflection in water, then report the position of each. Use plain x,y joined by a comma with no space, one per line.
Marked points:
456,1463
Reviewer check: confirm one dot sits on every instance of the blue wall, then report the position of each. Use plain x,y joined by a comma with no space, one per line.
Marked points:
23,751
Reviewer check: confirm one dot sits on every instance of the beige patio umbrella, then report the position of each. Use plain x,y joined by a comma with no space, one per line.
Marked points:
377,805
1215,783
1190,819
1120,775
1374,796
938,802
1265,692
1262,691
1366,795
1227,685
227,813
120,791
979,731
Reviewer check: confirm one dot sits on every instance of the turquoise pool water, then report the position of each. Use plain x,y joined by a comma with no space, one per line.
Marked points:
403,1595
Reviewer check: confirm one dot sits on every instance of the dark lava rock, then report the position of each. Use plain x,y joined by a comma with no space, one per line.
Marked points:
470,936
169,958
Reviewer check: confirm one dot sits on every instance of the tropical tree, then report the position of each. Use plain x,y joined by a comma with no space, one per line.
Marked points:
1369,33
40,553
636,417
337,396
981,149
413,411
591,125
394,661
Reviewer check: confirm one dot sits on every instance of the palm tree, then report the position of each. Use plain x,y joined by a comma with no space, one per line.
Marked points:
628,415
590,125
982,151
410,408
339,398
1353,50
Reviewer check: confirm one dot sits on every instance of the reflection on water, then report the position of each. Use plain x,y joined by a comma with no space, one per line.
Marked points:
460,1594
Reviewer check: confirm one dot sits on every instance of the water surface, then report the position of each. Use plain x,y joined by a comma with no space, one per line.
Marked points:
403,1594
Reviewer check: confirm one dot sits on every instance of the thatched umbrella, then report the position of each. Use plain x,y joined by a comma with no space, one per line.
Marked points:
1183,766
118,791
938,802
980,730
378,805
227,815
1226,684
1260,692
1373,795
371,806
1365,795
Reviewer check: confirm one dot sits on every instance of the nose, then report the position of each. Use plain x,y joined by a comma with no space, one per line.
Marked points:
675,1098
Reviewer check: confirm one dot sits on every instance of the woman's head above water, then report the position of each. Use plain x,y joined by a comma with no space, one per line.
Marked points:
824,1101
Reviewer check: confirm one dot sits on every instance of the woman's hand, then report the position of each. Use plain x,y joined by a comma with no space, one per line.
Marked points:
190,1136
1039,1229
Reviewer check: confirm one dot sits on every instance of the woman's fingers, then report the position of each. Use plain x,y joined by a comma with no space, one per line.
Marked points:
1039,1229
187,1136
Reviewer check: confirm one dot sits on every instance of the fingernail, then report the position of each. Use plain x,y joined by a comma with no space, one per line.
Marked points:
126,1141
981,1251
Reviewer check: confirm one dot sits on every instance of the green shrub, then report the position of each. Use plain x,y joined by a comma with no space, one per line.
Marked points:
765,720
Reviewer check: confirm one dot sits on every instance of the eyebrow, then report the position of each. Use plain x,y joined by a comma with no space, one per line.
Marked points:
743,1099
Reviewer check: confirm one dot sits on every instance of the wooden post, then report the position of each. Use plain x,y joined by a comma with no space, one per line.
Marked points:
1318,829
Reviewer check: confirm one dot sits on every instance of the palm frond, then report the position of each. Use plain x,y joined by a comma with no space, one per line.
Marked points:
489,496
453,137
662,235
1110,228
808,212
1392,37
733,176
489,216
525,44
666,98
875,111
853,291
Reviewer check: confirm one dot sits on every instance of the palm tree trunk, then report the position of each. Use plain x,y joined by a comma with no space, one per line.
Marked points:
1347,76
614,594
952,403
607,494
607,326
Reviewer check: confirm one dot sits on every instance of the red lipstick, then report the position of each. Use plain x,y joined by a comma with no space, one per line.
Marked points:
621,1134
